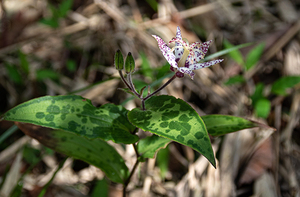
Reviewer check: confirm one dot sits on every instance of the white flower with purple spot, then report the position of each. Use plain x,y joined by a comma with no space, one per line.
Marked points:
184,58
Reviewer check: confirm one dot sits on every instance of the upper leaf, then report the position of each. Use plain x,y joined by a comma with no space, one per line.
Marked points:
174,119
76,114
254,56
93,151
222,124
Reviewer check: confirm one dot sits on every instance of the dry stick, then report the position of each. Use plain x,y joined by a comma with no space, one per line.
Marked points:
116,15
276,47
135,11
64,31
198,10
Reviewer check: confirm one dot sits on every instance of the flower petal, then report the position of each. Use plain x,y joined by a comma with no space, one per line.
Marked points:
204,46
186,71
179,49
166,51
204,65
199,51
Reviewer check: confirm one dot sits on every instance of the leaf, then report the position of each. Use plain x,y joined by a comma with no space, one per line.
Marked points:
258,93
52,22
161,72
76,114
13,74
23,61
225,51
45,74
279,87
64,7
31,155
93,151
176,120
148,146
71,65
254,56
162,160
262,108
235,54
222,124
101,189
235,80
153,4
146,68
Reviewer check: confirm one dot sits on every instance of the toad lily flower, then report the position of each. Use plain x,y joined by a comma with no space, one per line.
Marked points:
184,58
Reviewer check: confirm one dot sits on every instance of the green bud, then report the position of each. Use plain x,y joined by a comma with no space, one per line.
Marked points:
129,64
119,60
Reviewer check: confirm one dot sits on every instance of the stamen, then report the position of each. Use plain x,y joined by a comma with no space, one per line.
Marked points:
181,62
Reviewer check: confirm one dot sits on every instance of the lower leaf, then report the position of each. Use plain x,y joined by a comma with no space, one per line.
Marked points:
148,146
93,151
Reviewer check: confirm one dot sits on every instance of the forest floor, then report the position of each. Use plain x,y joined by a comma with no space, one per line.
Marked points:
47,48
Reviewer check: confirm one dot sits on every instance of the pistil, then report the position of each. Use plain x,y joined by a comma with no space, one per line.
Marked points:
181,62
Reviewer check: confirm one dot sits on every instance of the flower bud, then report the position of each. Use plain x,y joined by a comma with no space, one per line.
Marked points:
129,64
119,60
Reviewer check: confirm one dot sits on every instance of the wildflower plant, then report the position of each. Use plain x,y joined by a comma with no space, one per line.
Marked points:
185,58
78,129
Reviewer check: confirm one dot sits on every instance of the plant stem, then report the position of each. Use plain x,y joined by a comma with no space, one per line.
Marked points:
132,171
162,87
132,86
124,80
156,91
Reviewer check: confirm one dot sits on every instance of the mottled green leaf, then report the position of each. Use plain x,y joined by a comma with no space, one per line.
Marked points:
254,56
76,114
281,85
148,146
222,124
93,151
176,120
262,108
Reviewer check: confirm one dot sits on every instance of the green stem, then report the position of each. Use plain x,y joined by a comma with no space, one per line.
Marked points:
132,86
162,87
156,91
124,80
132,171
50,181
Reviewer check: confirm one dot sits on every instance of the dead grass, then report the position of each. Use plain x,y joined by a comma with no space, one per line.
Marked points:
252,162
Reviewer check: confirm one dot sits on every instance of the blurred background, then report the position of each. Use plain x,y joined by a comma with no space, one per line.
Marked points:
60,47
